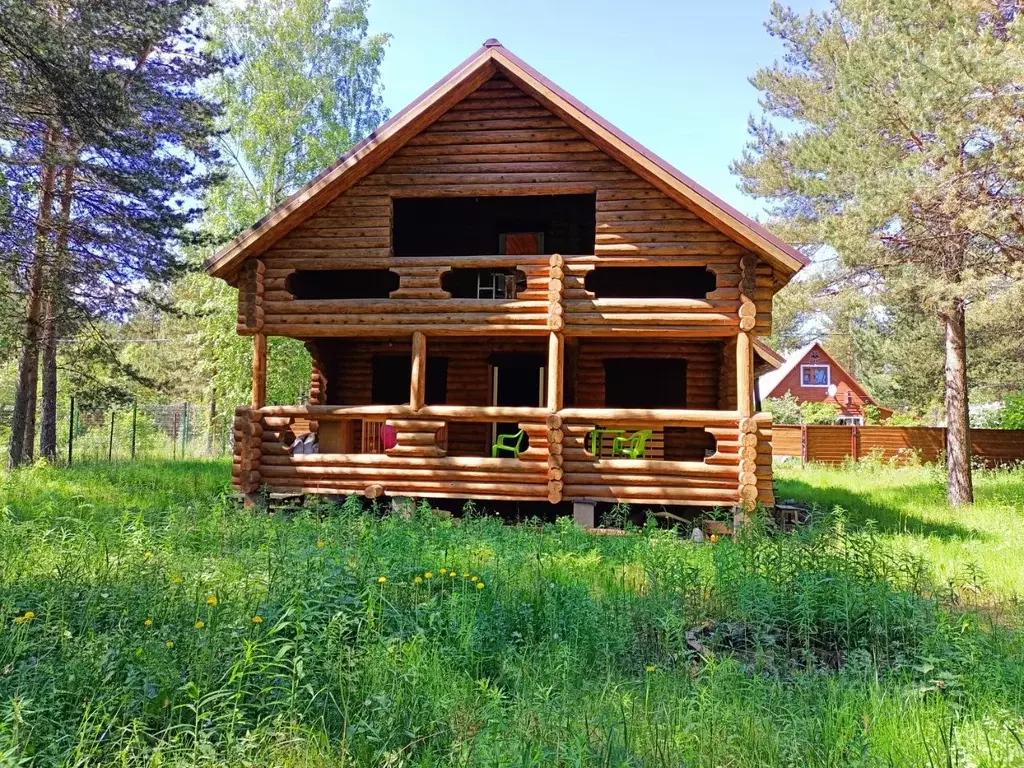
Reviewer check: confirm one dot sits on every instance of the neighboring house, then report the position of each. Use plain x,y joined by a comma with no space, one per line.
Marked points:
812,375
507,298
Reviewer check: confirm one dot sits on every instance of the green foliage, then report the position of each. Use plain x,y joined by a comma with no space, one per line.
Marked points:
1012,414
784,410
307,87
818,413
170,626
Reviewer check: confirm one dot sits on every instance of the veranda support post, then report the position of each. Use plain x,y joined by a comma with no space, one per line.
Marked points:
259,370
418,385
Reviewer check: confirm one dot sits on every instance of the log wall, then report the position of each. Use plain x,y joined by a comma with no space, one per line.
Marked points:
499,141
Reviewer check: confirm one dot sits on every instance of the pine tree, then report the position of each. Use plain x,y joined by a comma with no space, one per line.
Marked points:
103,95
891,133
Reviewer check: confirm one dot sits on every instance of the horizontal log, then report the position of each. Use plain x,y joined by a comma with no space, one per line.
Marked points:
396,474
298,331
667,417
378,461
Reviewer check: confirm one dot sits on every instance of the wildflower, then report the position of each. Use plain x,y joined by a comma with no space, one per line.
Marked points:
454,574
428,575
27,616
148,622
444,571
200,624
382,580
169,643
257,619
177,580
147,554
417,580
211,600
320,543
479,585
713,538
474,578
651,668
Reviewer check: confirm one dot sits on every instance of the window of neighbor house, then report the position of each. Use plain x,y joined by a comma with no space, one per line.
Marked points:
815,375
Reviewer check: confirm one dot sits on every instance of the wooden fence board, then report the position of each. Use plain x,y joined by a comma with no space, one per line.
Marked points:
831,445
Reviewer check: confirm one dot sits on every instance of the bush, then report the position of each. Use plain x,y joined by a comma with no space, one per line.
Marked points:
1012,414
818,413
784,410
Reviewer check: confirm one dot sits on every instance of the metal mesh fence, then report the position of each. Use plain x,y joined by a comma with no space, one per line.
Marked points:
140,431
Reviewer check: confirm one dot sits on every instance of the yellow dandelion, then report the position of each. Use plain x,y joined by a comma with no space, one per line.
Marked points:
177,580
320,543
29,615
169,643
200,624
474,578
382,580
148,622
211,600
428,575
444,571
651,668
417,580
713,538
257,619
147,554
25,617
479,585
454,574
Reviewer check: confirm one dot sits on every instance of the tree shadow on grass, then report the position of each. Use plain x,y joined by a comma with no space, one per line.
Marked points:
888,516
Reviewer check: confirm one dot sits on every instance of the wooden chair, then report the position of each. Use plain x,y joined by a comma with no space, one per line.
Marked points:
632,447
511,443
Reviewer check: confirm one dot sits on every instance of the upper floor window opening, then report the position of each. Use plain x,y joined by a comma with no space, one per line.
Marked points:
815,375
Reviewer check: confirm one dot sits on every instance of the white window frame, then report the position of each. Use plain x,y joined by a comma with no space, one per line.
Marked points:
851,421
828,375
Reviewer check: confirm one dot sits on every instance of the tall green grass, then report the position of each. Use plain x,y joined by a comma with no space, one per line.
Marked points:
172,627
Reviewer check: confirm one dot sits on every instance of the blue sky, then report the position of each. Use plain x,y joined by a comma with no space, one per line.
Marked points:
670,73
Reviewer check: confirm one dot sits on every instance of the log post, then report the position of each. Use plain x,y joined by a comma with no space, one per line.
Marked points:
259,370
556,371
744,375
248,429
418,386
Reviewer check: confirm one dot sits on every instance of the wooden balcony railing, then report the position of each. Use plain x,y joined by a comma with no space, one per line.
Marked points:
558,464
555,288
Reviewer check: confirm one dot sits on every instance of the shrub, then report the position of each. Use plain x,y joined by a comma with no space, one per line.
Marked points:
818,413
784,410
1012,414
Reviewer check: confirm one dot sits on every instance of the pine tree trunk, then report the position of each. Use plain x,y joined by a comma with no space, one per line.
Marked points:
958,430
23,416
48,417
48,420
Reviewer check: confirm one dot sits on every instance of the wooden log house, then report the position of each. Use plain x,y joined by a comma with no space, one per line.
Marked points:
498,258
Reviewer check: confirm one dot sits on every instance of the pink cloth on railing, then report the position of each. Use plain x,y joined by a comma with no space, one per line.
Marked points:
388,436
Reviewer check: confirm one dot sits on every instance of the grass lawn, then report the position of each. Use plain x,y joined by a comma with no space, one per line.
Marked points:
145,618
983,543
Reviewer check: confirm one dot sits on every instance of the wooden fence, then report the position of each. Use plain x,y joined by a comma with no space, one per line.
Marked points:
831,445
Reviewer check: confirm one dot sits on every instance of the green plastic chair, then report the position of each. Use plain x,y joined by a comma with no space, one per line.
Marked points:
511,443
632,447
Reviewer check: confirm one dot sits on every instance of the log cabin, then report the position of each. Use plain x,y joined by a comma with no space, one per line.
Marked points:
811,374
506,298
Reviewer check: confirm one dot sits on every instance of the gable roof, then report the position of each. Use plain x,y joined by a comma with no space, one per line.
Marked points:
771,380
492,58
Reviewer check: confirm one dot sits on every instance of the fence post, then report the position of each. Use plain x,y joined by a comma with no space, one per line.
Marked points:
854,442
71,432
184,428
803,444
135,419
110,445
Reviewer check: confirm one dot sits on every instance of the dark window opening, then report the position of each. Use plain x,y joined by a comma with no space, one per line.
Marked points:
644,383
650,282
392,376
483,283
688,444
479,226
342,283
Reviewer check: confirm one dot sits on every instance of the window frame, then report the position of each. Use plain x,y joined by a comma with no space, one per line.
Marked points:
828,375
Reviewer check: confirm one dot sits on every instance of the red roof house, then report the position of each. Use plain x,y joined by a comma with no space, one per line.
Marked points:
812,375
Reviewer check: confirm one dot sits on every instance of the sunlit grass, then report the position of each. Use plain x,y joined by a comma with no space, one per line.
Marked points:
145,617
984,541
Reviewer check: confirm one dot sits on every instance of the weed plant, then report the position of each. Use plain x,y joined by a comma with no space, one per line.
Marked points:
146,618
